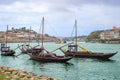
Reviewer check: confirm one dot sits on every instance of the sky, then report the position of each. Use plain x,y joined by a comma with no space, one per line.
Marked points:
60,15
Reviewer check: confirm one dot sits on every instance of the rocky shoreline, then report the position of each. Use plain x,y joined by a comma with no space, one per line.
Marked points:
7,73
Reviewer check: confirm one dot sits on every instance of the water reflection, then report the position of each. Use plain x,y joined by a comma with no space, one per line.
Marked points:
42,65
103,60
93,60
39,65
67,66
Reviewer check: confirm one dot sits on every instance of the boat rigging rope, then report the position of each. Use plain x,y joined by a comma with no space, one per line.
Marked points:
52,28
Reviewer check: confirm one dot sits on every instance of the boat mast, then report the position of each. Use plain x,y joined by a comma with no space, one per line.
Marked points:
42,31
29,34
6,36
76,34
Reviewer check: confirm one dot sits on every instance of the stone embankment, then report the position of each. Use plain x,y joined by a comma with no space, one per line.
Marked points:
7,73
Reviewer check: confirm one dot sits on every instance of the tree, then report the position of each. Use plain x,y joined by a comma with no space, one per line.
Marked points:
93,36
2,36
47,35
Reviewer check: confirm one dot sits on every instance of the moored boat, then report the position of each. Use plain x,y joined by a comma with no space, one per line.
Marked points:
41,54
73,50
5,49
48,57
86,53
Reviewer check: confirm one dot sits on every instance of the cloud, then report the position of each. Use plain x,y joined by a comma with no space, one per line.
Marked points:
90,14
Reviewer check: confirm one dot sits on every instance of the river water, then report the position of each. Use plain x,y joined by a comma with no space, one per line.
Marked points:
75,69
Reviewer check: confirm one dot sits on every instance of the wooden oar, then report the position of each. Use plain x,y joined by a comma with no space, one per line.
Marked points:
18,55
35,46
17,47
20,49
62,46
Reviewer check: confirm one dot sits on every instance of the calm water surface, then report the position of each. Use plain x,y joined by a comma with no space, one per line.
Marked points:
75,69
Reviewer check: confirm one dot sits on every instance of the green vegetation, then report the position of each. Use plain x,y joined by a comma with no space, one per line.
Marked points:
94,35
23,29
1,36
47,35
4,77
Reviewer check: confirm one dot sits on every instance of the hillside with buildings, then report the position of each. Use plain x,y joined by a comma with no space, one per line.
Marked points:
105,36
102,36
24,35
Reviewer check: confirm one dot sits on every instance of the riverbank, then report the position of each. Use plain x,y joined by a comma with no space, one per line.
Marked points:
7,73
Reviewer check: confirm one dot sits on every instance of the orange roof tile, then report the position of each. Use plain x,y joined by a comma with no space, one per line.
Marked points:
116,28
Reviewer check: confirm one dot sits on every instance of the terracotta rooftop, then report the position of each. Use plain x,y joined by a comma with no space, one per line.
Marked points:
116,28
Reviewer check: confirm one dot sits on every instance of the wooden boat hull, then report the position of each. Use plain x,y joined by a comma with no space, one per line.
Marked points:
90,55
49,58
33,50
8,53
24,51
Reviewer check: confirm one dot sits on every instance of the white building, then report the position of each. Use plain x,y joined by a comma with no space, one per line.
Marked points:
113,33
